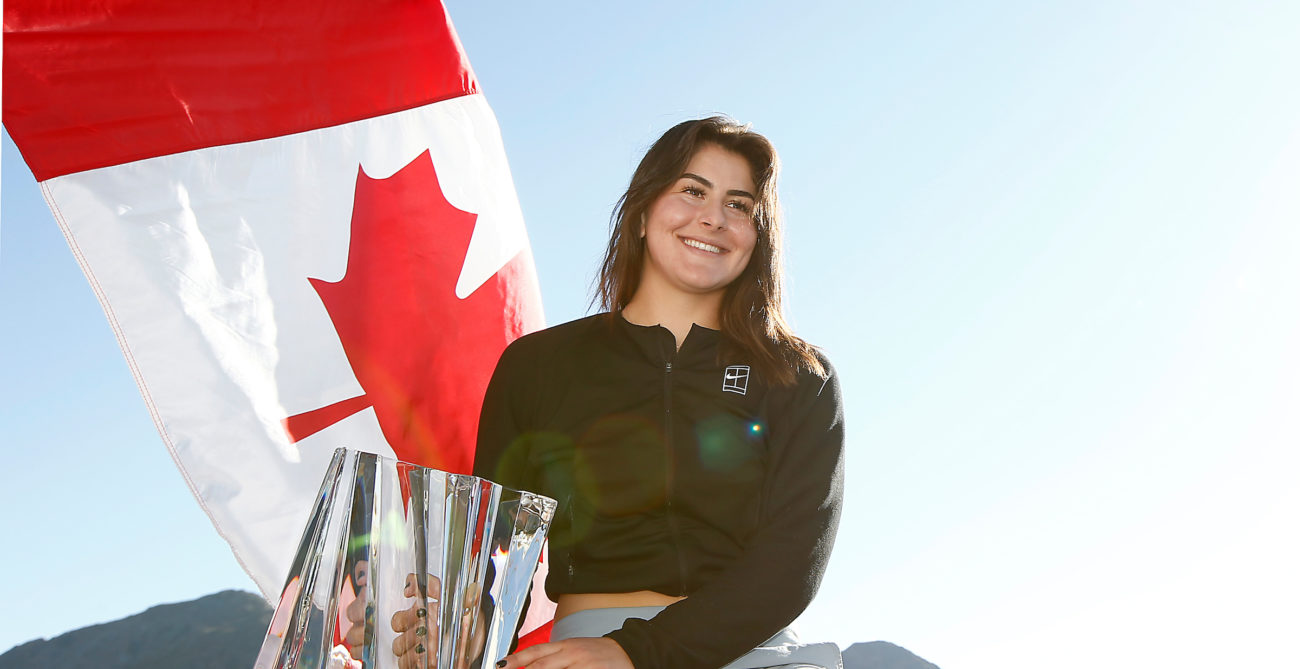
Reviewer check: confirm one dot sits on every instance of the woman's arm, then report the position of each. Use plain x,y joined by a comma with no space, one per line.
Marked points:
498,456
500,425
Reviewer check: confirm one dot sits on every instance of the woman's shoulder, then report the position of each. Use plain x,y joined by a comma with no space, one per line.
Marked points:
557,340
809,374
827,372
813,384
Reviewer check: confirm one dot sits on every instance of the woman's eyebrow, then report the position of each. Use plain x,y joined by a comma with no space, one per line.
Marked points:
709,184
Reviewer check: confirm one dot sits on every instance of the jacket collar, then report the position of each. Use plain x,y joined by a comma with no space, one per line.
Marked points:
657,344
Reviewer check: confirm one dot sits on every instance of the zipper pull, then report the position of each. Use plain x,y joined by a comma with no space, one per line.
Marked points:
668,367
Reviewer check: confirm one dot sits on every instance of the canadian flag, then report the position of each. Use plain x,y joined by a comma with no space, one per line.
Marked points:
299,221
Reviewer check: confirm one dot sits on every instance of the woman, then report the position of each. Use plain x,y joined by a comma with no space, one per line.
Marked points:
694,443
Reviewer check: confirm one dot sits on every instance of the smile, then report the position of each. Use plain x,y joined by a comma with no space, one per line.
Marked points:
696,244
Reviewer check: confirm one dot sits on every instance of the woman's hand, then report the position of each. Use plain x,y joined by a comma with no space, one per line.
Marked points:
576,653
413,625
358,610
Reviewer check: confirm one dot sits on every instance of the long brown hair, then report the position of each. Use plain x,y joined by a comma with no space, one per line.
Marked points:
752,315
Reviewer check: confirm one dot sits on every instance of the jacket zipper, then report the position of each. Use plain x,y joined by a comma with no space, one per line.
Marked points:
668,477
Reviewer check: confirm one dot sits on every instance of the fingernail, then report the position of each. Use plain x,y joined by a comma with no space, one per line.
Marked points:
501,663
419,631
420,613
419,648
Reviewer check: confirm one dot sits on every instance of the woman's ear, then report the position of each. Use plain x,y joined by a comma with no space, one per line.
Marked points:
643,225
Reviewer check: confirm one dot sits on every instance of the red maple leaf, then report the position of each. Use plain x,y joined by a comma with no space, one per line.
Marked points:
422,355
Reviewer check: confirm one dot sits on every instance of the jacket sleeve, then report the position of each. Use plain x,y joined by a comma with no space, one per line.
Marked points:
777,575
498,455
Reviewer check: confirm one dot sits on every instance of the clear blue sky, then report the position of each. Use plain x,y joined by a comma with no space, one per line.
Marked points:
1053,250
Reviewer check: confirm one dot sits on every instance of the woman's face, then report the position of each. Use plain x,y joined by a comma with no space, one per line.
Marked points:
700,233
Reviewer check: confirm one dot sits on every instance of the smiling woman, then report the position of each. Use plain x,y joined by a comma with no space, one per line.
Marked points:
694,443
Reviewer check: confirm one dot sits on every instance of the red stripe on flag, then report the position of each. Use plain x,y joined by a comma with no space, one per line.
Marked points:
304,425
89,85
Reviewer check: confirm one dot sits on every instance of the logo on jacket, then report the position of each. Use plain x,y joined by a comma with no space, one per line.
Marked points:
735,379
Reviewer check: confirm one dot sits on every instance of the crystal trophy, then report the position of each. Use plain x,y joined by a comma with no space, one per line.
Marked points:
401,566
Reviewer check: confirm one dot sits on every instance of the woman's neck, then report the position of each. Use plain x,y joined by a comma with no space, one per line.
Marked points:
674,310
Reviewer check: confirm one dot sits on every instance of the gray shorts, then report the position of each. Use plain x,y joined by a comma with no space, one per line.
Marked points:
782,650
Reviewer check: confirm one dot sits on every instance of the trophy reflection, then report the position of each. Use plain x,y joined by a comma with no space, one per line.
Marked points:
405,567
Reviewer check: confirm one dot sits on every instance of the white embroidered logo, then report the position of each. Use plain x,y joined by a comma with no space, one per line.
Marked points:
735,379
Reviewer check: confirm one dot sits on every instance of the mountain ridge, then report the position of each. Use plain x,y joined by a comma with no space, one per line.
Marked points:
217,631
225,630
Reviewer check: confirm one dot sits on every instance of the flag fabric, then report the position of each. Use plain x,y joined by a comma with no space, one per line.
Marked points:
299,221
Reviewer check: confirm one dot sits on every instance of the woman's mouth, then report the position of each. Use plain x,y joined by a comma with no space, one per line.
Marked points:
697,244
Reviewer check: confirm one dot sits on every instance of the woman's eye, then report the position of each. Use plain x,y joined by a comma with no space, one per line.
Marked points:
693,190
740,205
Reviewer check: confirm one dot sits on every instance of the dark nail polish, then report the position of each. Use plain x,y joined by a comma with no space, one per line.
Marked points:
501,663
419,631
420,613
419,648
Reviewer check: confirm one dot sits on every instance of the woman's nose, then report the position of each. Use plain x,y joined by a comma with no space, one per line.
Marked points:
713,216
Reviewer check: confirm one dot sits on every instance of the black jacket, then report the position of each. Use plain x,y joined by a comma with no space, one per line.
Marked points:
674,473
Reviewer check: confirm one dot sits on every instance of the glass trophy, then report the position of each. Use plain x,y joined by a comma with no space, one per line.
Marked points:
401,566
